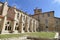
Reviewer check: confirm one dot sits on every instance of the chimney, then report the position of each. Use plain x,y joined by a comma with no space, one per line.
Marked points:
37,11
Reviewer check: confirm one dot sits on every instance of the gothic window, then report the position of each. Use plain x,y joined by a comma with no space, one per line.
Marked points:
7,22
38,18
16,28
24,28
23,17
43,15
46,21
23,24
29,28
48,15
56,21
38,10
5,27
17,15
9,27
16,23
46,26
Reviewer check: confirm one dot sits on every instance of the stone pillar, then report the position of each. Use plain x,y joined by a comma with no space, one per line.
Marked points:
21,28
13,25
35,26
1,24
27,24
14,21
31,25
21,24
3,27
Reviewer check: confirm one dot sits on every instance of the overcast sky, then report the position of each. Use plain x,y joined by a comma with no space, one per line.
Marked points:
29,5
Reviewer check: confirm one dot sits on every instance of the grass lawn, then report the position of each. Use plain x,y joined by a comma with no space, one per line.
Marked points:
43,34
33,34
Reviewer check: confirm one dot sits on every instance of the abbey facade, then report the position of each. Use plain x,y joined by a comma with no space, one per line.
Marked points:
13,20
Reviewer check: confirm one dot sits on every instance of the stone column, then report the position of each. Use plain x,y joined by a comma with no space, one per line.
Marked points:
35,26
13,24
31,25
21,24
14,21
27,24
3,25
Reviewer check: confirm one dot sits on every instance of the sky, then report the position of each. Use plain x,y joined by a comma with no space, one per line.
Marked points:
29,5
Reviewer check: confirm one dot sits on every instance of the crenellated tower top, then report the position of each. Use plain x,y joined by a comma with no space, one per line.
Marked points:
37,11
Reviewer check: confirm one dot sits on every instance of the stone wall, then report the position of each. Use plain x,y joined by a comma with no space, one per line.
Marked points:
57,24
46,19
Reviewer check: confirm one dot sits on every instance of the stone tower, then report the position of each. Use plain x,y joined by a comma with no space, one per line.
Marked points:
37,11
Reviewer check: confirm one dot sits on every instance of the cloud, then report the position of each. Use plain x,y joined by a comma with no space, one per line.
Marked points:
56,1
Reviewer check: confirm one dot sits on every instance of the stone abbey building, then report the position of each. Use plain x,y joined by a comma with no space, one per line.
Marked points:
13,20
